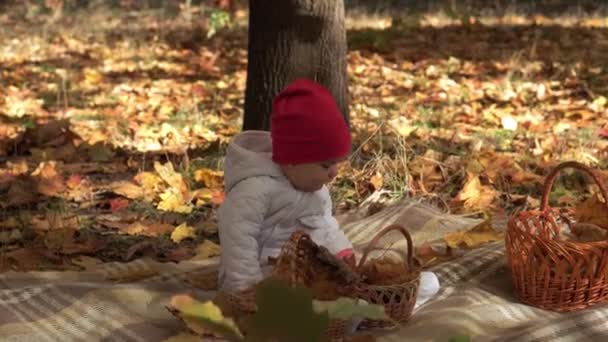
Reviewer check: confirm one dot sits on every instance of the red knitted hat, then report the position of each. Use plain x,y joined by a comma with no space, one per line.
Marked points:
307,125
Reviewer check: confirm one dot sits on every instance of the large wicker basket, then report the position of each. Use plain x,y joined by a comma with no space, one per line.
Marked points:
548,271
398,299
292,267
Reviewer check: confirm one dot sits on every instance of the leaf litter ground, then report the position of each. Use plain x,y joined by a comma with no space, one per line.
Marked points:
112,137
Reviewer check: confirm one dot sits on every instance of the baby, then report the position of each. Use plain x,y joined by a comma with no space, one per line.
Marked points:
275,184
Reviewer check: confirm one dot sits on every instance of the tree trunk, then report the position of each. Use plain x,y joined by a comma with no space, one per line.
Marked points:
289,39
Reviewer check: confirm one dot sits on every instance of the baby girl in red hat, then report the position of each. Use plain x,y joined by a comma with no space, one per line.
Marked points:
275,184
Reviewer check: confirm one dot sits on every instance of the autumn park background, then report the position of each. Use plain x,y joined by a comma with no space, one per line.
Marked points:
115,115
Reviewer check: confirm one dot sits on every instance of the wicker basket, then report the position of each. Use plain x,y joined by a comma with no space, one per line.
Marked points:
398,299
553,273
291,266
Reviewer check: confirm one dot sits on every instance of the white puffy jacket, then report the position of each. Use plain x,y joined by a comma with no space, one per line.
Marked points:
262,209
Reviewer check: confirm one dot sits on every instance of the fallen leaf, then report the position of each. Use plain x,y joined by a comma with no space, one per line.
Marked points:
149,181
592,211
74,181
475,196
205,317
49,181
210,178
206,250
172,178
118,204
54,221
127,189
377,181
148,228
481,234
181,232
172,200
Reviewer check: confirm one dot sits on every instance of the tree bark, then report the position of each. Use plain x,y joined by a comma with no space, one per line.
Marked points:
290,39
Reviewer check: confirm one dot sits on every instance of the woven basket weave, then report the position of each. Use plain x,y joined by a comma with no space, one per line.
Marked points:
292,266
547,271
398,299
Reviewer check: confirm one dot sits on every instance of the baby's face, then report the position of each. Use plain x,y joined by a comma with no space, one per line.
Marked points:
312,176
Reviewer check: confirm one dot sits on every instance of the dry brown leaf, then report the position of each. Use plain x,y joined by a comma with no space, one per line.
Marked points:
148,228
496,165
127,189
475,196
48,179
428,173
210,178
53,221
592,211
481,234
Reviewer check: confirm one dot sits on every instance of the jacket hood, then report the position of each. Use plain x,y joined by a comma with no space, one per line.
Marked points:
249,155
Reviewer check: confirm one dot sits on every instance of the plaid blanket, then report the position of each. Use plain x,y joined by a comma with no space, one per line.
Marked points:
126,302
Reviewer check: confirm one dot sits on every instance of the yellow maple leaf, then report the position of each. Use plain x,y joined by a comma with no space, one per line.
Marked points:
172,178
210,178
172,200
474,237
149,181
181,232
206,250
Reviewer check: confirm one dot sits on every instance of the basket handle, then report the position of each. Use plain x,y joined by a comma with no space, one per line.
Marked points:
575,165
372,244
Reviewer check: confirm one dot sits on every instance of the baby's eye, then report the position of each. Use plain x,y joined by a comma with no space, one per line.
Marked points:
327,165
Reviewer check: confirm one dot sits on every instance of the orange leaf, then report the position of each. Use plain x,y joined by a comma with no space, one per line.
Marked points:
118,204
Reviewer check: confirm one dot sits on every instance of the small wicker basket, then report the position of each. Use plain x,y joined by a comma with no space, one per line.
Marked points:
549,272
292,266
398,299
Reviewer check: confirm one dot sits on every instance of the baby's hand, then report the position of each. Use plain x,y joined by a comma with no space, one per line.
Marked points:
348,256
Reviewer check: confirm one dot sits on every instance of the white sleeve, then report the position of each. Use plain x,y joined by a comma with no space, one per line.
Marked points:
240,218
336,240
